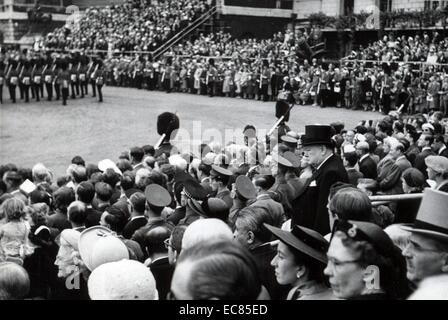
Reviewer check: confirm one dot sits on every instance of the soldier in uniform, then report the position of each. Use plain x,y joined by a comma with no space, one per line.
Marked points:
25,79
64,77
92,77
36,77
167,124
74,78
12,78
83,80
48,75
99,76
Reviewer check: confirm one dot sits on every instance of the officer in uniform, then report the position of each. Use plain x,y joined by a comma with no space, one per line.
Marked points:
25,79
64,80
83,70
36,76
92,77
12,78
219,180
157,198
48,77
167,125
74,77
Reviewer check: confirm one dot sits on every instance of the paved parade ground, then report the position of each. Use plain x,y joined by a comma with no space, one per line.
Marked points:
51,133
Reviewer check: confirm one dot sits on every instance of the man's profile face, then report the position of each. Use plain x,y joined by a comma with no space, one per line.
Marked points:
423,258
313,154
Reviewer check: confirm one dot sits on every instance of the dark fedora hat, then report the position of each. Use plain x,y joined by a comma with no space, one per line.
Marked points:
317,135
304,240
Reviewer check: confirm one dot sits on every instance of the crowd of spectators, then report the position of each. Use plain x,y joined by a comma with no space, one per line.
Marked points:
132,26
157,211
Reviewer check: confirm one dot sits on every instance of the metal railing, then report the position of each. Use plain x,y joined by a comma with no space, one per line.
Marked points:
181,34
385,199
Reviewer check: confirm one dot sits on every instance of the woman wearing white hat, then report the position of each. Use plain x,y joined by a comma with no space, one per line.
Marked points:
437,168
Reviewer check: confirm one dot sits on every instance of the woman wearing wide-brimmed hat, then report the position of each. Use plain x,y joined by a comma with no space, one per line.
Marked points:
300,261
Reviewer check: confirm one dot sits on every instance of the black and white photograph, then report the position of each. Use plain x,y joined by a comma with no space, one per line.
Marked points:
246,151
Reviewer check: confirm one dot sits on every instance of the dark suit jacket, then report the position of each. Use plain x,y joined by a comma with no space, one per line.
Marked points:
312,203
444,153
163,273
134,225
368,168
420,161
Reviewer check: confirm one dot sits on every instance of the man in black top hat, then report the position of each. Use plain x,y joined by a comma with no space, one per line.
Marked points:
312,202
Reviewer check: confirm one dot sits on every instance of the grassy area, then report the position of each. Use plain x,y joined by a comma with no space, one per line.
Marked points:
51,133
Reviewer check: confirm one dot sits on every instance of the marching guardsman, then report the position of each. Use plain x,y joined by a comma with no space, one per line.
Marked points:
22,61
211,76
74,68
2,80
83,71
12,78
167,124
64,76
100,79
36,76
48,75
25,79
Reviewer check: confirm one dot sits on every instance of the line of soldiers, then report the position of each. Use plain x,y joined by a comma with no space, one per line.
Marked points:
62,76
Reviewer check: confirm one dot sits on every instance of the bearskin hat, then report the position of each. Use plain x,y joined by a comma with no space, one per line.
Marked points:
167,122
281,108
